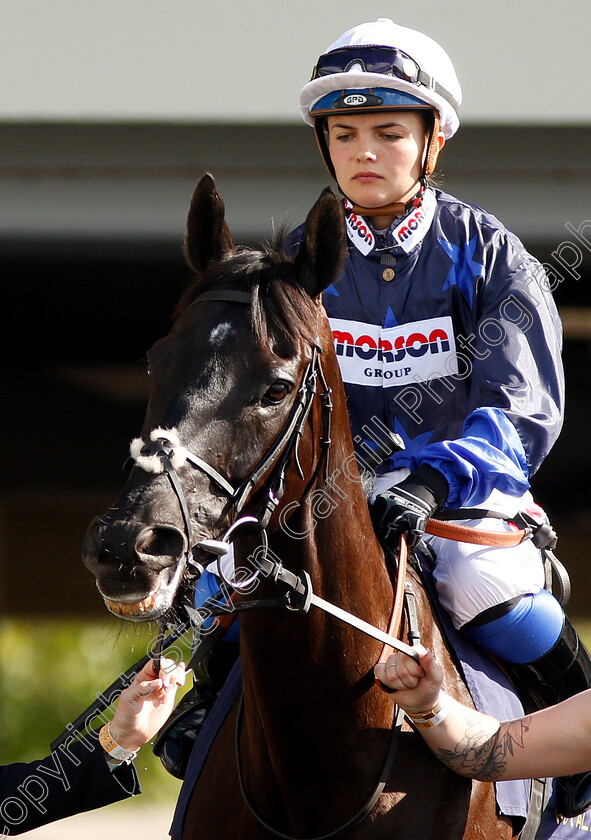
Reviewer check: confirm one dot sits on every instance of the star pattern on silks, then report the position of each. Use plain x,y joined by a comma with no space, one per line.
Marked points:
331,290
390,319
411,445
464,267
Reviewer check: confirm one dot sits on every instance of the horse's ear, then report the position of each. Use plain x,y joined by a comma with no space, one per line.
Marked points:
321,255
208,238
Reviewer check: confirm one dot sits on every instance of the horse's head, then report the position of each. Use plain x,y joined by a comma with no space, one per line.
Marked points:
230,406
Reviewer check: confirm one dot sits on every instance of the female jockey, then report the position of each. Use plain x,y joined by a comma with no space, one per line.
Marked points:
446,333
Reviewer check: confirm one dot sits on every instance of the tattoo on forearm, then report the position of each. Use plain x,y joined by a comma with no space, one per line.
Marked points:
483,756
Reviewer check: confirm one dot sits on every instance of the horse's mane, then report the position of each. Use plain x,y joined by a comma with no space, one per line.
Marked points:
280,305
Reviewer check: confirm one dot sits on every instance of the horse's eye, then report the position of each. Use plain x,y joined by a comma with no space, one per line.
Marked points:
277,392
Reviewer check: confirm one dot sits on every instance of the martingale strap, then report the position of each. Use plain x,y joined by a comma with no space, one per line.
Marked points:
542,536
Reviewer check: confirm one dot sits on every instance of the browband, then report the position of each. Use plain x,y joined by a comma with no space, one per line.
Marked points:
230,295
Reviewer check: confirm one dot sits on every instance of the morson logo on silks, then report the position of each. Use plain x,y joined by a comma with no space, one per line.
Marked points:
358,231
407,233
415,224
390,357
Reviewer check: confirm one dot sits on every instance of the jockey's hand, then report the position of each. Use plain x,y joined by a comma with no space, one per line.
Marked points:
146,704
406,507
414,687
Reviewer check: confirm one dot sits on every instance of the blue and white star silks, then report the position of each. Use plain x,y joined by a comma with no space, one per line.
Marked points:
464,269
390,319
412,446
429,346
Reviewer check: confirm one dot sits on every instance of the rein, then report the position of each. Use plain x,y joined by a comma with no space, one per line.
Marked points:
300,597
463,533
356,818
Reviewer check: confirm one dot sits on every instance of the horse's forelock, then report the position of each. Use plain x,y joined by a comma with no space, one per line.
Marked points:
279,304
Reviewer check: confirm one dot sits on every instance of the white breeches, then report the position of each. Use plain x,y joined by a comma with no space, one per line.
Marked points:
472,578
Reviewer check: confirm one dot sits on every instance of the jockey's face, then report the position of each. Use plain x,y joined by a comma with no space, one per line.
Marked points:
378,157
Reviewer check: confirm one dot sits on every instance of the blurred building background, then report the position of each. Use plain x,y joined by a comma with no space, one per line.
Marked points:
109,114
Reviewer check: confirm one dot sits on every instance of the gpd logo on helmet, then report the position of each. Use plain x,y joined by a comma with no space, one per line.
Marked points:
357,100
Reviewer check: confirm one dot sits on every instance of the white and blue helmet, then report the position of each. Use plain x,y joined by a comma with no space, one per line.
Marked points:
382,66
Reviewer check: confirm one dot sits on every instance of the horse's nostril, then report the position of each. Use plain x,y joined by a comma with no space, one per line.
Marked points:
161,541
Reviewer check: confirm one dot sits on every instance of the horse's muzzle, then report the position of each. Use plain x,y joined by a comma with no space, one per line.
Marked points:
114,542
131,560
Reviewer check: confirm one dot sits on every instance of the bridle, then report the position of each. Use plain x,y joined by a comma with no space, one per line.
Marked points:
171,455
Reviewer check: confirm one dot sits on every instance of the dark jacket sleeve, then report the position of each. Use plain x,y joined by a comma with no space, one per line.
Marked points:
516,398
75,778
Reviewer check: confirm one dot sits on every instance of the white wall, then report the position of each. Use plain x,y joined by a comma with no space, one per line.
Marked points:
226,60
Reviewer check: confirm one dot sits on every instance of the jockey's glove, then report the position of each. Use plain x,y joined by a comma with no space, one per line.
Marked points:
406,507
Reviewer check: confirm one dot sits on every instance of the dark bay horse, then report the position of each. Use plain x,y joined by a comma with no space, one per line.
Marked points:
251,349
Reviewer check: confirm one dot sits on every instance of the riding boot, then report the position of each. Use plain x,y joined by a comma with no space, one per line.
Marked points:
560,673
211,671
174,742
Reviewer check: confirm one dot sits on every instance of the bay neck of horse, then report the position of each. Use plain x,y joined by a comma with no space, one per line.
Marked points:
316,728
317,670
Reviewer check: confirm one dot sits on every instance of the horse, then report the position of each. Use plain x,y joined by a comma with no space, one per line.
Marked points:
246,378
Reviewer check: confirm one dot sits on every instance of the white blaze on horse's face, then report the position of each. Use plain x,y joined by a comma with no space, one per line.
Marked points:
224,382
220,334
221,394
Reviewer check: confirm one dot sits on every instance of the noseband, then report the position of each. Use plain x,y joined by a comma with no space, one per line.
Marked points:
163,452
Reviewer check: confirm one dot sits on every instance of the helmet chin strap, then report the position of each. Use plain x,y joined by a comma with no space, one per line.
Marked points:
396,208
432,147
